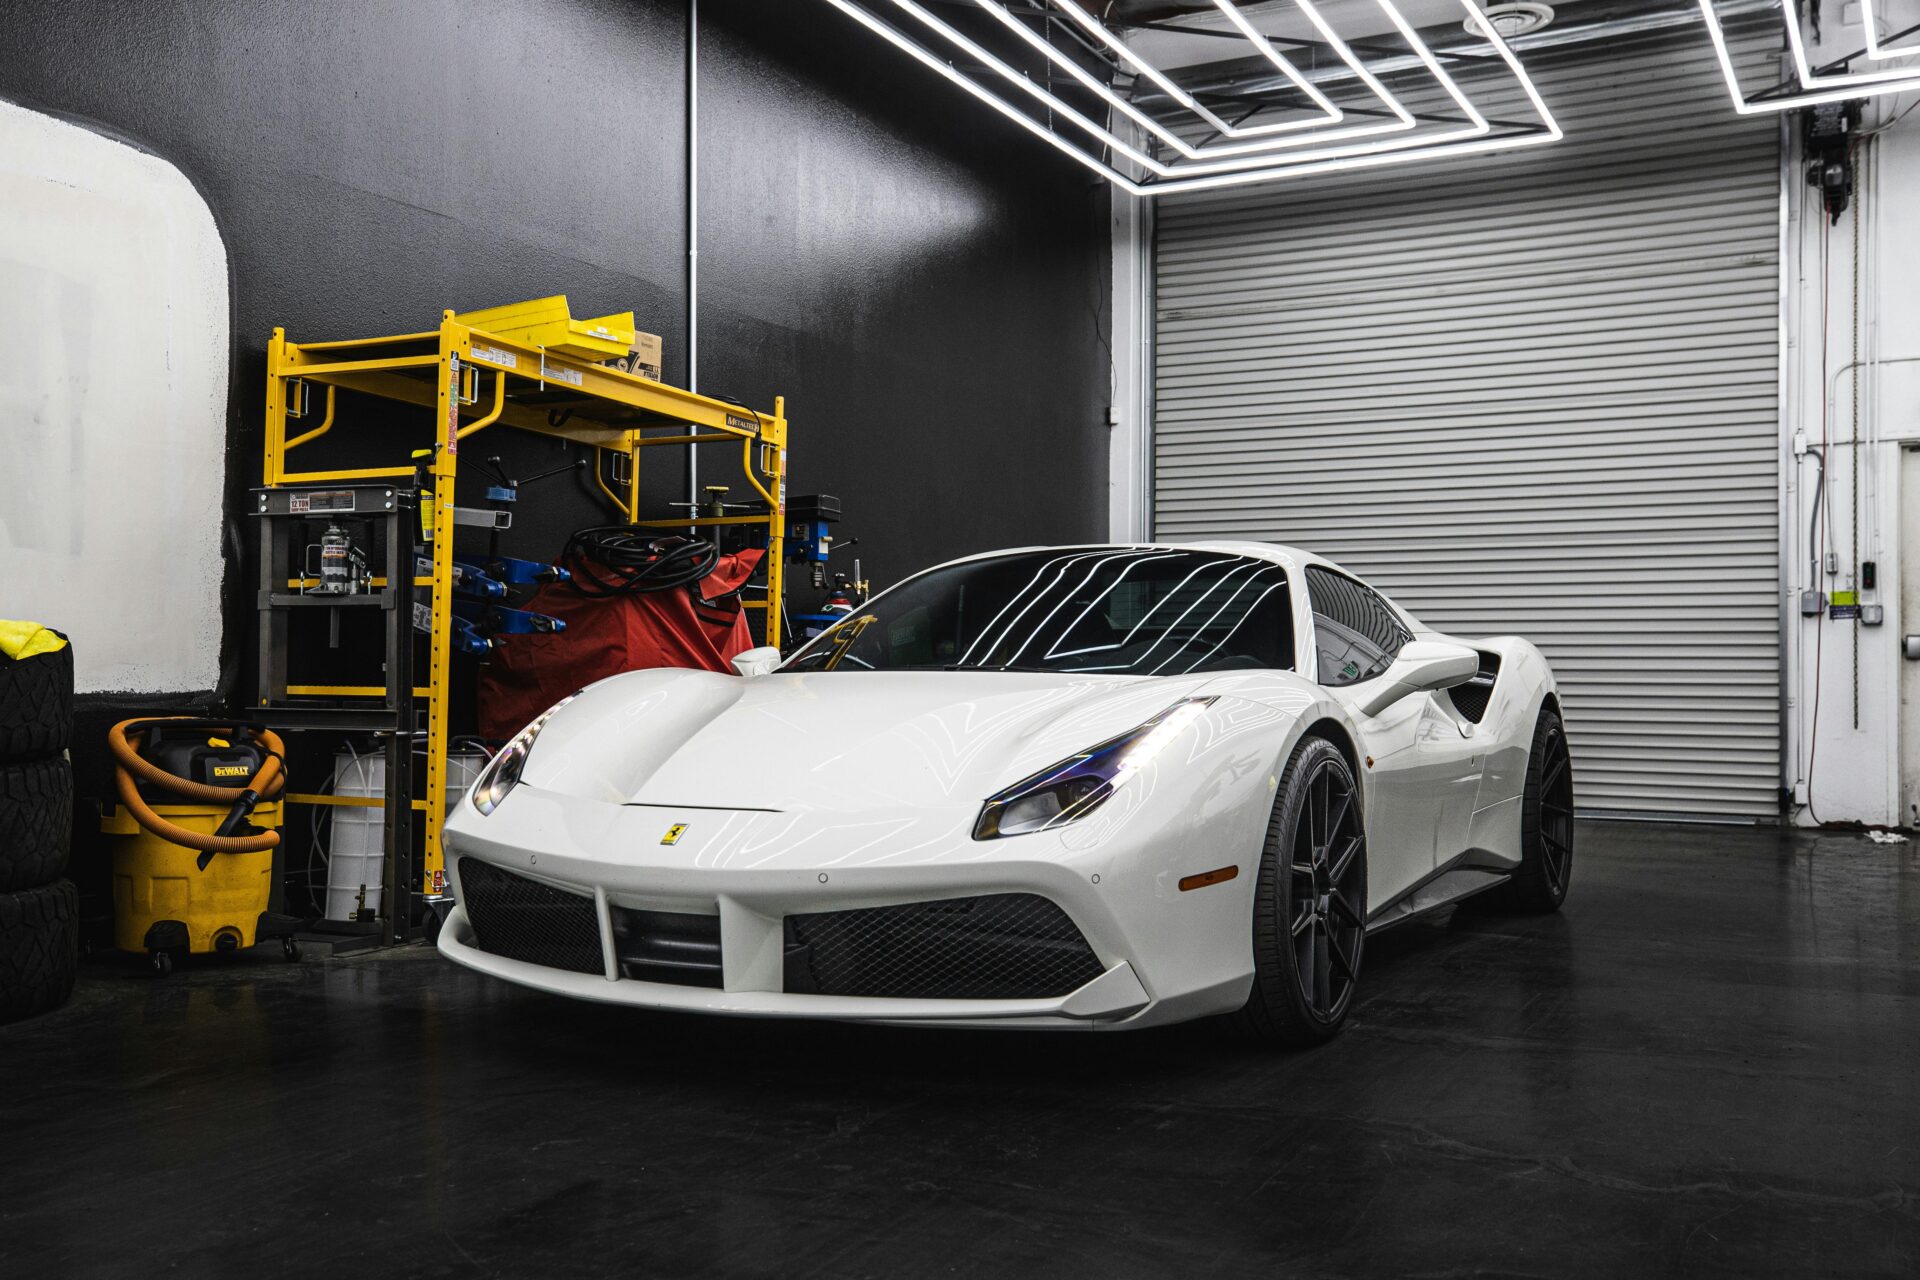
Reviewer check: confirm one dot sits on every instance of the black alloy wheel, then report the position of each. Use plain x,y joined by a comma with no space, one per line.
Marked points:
1556,810
1328,926
1539,884
1309,926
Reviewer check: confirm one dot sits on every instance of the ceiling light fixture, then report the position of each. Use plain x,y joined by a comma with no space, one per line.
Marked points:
1098,31
1874,48
1829,89
1478,126
1810,79
1259,166
1403,118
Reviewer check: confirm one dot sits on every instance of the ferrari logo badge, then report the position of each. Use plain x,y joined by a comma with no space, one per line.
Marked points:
674,833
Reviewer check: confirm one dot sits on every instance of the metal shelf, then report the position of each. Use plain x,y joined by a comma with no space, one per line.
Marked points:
470,380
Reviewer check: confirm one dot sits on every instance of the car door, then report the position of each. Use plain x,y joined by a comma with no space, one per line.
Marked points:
1424,766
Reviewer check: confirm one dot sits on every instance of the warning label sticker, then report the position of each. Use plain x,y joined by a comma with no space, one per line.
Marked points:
453,405
494,355
320,500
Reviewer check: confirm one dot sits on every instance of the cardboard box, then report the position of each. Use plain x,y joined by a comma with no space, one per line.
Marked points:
645,357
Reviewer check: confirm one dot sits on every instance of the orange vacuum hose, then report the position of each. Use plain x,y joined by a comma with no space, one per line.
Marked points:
266,784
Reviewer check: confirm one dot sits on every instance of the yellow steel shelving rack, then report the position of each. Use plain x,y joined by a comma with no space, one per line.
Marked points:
472,379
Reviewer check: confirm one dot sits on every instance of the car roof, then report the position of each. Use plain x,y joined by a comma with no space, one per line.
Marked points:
1291,557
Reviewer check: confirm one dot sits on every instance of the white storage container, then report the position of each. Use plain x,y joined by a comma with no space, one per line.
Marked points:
355,851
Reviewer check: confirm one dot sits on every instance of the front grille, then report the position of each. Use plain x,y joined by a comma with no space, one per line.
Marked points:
520,919
667,946
1003,946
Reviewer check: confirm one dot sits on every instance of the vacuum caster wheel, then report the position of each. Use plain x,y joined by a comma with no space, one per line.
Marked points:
162,962
290,948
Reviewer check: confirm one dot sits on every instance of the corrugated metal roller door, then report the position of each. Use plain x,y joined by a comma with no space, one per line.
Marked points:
1534,394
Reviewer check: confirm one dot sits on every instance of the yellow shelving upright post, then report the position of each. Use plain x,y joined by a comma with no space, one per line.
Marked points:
445,468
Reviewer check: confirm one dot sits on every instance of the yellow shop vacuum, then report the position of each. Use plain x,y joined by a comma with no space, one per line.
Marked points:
194,832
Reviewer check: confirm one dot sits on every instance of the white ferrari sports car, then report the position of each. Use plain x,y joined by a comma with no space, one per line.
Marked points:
1104,786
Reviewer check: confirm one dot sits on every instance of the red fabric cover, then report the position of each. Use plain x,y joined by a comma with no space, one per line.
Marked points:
524,675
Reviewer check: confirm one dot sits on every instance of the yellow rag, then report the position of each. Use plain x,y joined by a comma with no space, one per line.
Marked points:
23,640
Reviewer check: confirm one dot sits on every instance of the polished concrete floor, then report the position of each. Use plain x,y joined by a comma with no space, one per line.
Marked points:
1708,1064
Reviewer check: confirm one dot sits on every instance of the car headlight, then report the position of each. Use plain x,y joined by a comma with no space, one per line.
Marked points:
502,773
1075,787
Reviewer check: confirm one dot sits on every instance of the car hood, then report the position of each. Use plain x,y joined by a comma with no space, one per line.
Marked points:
844,741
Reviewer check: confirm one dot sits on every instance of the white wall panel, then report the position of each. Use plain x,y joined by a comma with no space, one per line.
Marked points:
113,403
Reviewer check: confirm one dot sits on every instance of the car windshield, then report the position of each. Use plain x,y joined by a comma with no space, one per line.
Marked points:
1112,610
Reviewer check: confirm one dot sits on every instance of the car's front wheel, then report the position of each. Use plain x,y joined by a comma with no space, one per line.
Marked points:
1309,910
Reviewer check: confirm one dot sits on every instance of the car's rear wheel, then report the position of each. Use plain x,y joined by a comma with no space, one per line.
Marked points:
1546,824
1309,910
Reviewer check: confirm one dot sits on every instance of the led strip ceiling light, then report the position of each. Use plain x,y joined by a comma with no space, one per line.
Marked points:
1477,126
1403,118
1874,48
1263,151
1816,86
1181,96
1812,80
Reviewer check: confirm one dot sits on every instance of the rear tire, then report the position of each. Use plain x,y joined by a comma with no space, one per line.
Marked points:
36,822
39,949
1309,907
1540,884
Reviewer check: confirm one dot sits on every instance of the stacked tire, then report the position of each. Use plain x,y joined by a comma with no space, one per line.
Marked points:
39,908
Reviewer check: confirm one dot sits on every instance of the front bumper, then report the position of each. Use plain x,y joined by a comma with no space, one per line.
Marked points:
1162,955
1113,995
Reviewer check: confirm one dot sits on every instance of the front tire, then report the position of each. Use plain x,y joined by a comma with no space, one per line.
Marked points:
1309,909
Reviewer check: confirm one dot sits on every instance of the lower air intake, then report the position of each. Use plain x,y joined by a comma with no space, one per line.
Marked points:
1002,946
520,919
666,946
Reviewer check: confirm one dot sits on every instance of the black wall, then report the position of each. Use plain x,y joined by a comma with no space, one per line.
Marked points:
924,283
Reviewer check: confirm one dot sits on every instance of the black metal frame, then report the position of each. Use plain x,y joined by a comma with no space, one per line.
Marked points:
397,509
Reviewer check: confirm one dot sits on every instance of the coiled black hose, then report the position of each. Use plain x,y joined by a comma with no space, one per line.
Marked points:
618,560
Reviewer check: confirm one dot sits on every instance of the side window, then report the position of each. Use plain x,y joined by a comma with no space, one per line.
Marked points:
1355,633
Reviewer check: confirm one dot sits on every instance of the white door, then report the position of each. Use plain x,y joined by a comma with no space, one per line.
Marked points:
1426,774
1425,770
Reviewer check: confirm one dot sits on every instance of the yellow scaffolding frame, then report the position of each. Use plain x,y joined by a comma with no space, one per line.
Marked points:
532,389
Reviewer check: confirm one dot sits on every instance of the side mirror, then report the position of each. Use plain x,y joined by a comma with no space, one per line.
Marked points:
1421,667
757,662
